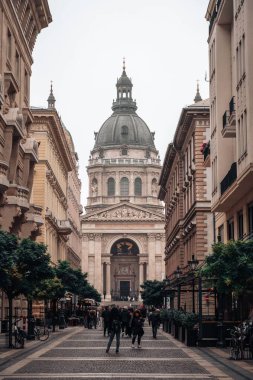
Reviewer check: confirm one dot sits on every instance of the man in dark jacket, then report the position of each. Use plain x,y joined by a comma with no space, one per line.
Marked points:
115,324
155,321
125,318
106,317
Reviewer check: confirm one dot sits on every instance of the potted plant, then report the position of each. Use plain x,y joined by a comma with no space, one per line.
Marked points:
189,321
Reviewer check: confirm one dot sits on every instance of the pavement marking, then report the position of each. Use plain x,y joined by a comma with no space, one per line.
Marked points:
15,367
121,348
199,360
191,376
47,359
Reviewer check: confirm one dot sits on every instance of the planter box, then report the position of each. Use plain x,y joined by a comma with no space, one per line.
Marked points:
191,337
181,333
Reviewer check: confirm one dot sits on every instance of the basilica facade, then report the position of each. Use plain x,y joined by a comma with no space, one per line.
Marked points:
123,225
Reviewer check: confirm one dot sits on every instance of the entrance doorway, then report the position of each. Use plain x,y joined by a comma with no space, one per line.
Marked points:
124,289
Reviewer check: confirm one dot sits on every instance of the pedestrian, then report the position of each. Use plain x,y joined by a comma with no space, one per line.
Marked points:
106,317
137,327
155,321
125,318
115,323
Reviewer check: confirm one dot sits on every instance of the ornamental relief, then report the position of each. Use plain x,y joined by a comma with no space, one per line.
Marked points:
126,213
127,173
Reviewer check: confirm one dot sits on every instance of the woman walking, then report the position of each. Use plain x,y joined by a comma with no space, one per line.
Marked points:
137,327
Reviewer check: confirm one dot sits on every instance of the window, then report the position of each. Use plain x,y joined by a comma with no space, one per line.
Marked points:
230,226
111,187
240,224
137,186
17,65
9,44
124,151
250,217
124,130
220,236
124,186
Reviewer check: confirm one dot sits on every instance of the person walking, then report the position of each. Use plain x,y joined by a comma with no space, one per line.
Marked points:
125,318
155,321
106,316
137,327
115,324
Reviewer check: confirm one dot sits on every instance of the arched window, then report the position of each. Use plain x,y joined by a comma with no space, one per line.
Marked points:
124,130
124,186
137,186
111,187
154,187
124,247
94,187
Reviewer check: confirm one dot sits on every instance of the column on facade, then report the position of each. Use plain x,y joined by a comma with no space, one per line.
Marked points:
117,184
140,278
131,184
97,273
108,281
151,256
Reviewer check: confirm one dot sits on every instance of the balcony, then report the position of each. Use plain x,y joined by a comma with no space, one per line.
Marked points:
4,183
205,150
229,121
214,15
63,227
229,178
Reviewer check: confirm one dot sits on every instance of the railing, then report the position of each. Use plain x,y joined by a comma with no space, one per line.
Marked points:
229,178
118,296
214,14
225,119
232,105
124,161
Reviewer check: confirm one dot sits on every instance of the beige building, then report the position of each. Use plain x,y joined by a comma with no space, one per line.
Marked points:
56,186
123,227
21,22
185,189
231,116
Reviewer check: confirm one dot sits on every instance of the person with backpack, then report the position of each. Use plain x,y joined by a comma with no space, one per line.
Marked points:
115,325
125,318
137,323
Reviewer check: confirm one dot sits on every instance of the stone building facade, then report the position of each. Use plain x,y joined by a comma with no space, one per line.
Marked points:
231,116
56,186
21,21
185,187
123,226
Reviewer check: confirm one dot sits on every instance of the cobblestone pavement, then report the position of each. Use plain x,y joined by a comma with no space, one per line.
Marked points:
80,354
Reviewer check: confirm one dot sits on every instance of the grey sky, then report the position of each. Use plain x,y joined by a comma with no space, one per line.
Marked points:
165,45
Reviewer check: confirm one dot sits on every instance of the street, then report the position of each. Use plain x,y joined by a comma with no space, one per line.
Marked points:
78,353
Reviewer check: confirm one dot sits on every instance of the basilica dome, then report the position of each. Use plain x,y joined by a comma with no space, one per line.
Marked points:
124,126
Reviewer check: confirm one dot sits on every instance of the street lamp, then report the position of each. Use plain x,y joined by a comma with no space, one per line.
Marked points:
166,282
193,263
178,273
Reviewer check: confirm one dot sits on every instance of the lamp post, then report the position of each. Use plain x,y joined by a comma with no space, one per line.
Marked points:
193,263
178,273
166,283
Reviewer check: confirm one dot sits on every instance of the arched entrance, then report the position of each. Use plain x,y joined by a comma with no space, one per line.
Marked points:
124,270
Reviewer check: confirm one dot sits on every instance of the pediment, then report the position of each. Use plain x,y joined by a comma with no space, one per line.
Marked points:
124,212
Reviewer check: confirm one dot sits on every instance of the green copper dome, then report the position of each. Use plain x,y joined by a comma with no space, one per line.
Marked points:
124,126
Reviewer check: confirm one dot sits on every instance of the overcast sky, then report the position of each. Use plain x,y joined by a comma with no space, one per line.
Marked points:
165,45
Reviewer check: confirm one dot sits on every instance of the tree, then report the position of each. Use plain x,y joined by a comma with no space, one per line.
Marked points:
23,265
10,277
152,293
90,292
230,268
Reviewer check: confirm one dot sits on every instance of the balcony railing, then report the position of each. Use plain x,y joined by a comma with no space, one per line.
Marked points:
118,296
232,105
124,161
214,14
229,120
229,178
